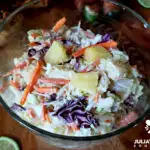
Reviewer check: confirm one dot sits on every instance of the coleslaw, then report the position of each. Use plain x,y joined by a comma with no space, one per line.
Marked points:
71,81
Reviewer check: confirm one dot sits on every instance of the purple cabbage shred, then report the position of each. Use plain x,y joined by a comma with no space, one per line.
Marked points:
106,37
43,51
130,101
74,111
52,97
77,65
31,52
67,42
17,107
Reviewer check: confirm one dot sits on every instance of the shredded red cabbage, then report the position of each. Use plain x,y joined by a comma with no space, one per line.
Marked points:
130,101
74,111
67,42
106,37
77,65
52,97
89,35
17,107
31,52
43,51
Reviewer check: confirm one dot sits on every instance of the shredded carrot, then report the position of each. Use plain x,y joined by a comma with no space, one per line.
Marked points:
31,112
46,89
19,66
35,35
69,129
45,115
14,84
33,44
48,118
46,44
44,112
31,59
81,51
74,127
94,64
108,44
96,98
86,69
59,24
34,78
59,81
108,121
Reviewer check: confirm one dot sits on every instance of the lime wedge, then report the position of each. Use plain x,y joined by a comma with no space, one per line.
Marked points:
145,3
89,14
8,144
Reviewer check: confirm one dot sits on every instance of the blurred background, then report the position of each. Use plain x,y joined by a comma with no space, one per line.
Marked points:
8,6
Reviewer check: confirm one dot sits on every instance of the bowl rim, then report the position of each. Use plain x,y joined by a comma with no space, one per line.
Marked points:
32,2
43,132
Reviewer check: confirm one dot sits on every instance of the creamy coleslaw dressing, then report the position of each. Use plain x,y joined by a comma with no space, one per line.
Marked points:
115,74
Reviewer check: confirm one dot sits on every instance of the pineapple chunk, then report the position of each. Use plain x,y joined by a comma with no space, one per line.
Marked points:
86,82
95,52
56,54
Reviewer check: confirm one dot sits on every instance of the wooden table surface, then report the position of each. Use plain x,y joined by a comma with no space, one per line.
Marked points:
28,141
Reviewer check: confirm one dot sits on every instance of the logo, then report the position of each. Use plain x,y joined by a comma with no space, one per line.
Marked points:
143,142
147,128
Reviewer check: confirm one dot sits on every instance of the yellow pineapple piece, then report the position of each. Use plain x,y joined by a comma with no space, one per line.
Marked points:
93,53
56,54
86,82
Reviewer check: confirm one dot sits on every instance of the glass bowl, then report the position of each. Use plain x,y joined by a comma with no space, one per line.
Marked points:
125,26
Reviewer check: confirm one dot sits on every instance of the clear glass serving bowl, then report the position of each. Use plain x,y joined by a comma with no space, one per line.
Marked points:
126,26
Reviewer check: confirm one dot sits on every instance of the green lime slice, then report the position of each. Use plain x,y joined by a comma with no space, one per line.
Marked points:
89,14
145,3
8,144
